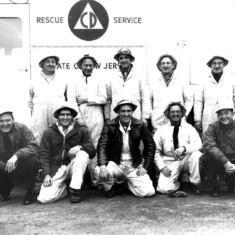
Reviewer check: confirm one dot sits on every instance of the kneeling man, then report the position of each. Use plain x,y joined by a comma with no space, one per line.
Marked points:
65,150
219,148
18,154
119,155
177,148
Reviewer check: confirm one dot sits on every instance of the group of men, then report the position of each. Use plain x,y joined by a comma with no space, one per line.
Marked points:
105,127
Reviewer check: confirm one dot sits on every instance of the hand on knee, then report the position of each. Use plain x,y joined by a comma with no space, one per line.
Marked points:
48,181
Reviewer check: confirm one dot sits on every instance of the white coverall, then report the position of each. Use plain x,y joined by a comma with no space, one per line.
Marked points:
207,96
74,171
189,138
162,95
91,113
135,88
45,95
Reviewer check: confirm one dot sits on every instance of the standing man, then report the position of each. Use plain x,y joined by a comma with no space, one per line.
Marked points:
218,85
167,88
46,92
219,148
89,92
65,150
119,156
18,153
128,84
178,145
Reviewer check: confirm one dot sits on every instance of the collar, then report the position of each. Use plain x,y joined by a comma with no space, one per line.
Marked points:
126,71
168,81
66,131
217,76
87,76
48,77
124,129
177,125
181,123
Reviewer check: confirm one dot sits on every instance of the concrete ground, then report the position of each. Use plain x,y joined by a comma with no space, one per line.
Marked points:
125,214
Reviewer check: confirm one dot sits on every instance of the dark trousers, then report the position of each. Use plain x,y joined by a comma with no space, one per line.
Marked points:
27,167
212,168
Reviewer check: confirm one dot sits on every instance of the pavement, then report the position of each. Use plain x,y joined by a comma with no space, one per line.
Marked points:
124,214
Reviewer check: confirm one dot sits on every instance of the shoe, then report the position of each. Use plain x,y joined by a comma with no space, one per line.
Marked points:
75,195
177,194
5,197
215,192
75,198
110,193
28,199
196,190
230,188
185,186
99,187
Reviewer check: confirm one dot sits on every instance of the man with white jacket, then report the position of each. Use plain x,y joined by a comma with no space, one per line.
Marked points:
177,148
127,83
167,88
46,92
217,86
88,92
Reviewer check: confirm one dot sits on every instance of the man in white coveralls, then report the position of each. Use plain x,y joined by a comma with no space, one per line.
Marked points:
218,85
166,88
178,147
89,92
46,91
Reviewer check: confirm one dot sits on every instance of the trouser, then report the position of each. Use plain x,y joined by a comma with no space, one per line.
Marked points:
213,168
28,167
42,118
190,162
91,166
74,171
95,131
140,186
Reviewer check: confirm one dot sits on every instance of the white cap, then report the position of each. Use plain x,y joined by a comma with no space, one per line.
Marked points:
66,105
224,104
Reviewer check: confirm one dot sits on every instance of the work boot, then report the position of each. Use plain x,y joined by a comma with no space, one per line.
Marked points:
28,199
5,190
196,190
185,186
6,186
230,188
215,191
75,195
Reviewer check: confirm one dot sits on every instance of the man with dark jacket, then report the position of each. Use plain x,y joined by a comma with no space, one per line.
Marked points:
119,156
18,153
65,149
219,148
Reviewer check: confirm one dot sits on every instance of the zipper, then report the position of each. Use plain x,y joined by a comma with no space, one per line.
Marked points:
63,150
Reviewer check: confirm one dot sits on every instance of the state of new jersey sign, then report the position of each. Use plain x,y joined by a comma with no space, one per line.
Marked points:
88,20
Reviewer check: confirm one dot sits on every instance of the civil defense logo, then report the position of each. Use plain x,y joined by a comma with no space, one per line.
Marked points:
88,20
